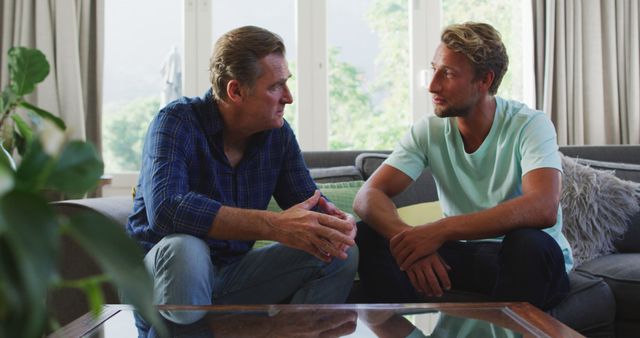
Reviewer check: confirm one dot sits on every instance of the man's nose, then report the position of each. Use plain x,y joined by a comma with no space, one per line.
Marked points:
434,84
287,98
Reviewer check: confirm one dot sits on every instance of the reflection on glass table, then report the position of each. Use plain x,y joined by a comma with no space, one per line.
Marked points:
379,320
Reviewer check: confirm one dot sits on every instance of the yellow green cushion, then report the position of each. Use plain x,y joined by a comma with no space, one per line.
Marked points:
421,213
340,193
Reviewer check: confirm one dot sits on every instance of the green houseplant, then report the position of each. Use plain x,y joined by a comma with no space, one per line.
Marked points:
30,230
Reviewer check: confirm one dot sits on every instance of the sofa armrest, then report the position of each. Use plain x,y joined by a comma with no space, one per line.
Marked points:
117,208
68,304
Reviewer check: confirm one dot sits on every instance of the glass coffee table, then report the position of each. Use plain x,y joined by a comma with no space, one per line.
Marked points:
345,320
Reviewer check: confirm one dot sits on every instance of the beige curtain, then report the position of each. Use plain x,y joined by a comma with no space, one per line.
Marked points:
70,34
588,69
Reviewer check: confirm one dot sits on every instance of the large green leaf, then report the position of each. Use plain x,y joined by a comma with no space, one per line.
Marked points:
44,114
32,240
12,307
120,258
7,182
34,169
27,67
77,170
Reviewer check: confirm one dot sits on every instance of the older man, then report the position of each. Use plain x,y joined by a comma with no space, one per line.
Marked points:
211,165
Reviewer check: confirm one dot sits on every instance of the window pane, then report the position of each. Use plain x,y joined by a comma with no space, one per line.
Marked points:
277,16
368,53
506,17
139,50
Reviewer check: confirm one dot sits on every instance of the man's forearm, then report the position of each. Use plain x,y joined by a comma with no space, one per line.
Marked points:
522,212
321,235
377,210
243,224
537,207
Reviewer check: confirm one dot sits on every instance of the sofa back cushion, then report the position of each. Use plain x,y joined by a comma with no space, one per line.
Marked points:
336,174
622,153
420,191
625,171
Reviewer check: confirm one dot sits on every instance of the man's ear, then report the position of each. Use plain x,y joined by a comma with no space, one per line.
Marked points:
487,80
235,91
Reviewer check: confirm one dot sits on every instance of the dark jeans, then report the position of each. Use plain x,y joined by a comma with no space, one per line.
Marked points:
527,266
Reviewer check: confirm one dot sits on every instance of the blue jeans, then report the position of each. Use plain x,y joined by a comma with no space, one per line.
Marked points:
184,274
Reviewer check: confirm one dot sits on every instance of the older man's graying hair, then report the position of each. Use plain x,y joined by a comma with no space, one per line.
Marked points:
482,45
236,54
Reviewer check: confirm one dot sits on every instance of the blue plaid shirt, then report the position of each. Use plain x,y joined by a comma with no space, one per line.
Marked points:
186,177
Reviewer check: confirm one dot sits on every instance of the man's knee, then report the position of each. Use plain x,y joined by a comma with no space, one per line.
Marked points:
347,267
182,272
527,242
182,247
528,246
532,269
351,263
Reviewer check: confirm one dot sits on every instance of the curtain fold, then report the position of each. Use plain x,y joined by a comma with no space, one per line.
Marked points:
70,34
587,69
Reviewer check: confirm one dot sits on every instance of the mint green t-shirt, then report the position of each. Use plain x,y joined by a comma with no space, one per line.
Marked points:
520,140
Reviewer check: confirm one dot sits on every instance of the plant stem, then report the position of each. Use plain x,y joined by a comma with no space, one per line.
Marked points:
6,114
82,282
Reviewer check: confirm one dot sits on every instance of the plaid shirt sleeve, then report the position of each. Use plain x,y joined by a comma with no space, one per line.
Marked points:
170,205
294,184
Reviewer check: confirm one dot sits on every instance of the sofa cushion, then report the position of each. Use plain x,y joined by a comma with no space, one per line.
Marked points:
420,213
589,307
335,174
625,171
597,207
367,163
630,241
340,193
422,190
118,207
622,274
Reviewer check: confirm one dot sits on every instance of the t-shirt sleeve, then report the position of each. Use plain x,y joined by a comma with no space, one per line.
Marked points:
539,145
409,155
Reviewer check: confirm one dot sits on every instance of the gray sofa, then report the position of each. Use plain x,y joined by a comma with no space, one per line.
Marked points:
605,292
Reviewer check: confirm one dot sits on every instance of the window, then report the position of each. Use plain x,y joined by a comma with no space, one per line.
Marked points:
141,67
230,14
508,17
369,80
356,65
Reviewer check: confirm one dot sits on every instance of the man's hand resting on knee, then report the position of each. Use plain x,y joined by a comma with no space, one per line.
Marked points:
430,276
